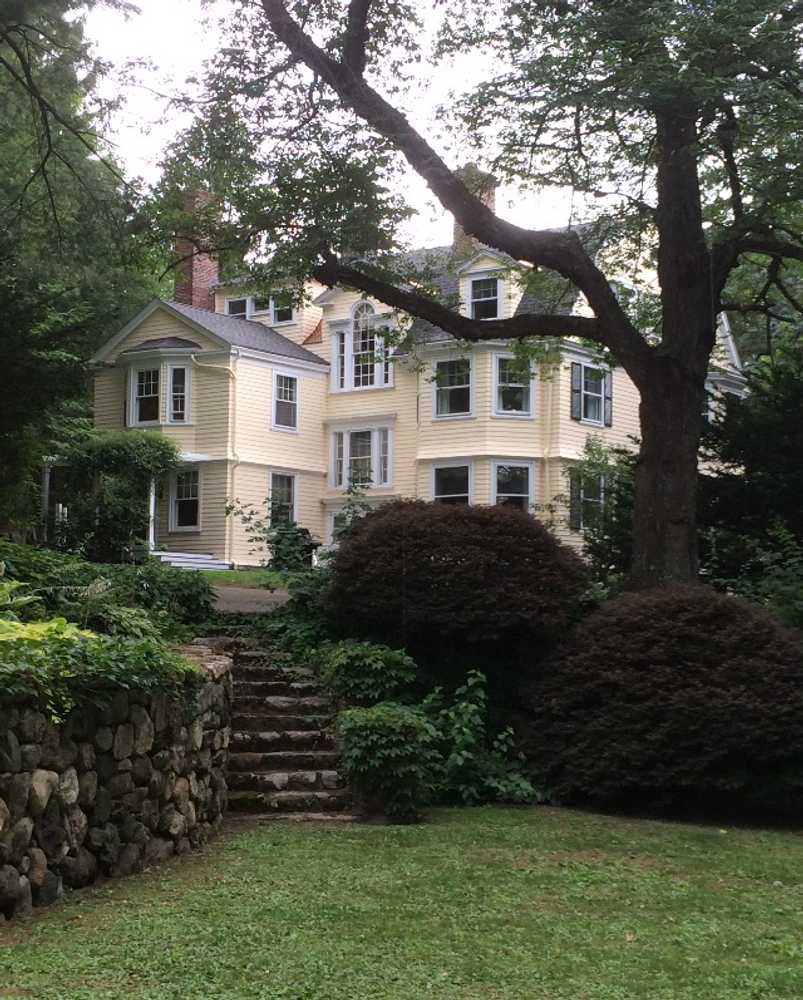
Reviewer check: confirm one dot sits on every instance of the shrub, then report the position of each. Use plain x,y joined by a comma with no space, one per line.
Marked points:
673,697
363,673
390,758
475,768
455,585
63,668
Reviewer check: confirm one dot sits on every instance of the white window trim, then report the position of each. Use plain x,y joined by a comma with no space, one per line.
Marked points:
347,432
471,390
293,474
172,527
525,462
508,414
347,332
187,421
132,395
453,463
484,276
603,372
282,427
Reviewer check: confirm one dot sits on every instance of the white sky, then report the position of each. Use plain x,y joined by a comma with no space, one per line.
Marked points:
171,34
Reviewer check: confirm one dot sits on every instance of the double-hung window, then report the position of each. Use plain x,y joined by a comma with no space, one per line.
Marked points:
282,498
592,394
513,389
361,457
453,388
451,484
146,400
179,395
238,307
285,402
513,485
185,501
587,500
485,298
359,357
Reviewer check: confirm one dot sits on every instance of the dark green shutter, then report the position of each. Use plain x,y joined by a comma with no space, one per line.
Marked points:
577,391
608,399
575,500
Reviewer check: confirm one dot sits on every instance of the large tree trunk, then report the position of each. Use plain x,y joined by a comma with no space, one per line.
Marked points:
665,544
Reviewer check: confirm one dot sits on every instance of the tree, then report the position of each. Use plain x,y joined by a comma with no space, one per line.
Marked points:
678,118
71,266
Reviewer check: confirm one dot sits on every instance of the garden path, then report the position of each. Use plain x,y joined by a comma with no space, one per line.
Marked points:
248,600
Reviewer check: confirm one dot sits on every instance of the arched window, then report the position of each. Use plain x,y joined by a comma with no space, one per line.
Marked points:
364,345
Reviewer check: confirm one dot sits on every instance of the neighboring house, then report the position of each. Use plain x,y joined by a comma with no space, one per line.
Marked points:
268,400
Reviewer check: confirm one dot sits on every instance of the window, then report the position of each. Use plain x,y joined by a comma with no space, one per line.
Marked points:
359,360
485,298
185,505
453,388
513,393
147,397
451,484
587,500
237,307
282,498
513,486
179,386
592,394
361,457
285,402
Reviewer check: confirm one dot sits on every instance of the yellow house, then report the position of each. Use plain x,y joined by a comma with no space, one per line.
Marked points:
269,400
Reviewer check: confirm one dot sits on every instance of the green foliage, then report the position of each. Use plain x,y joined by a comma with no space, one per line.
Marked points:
475,768
390,758
62,669
281,545
13,597
364,673
677,697
55,628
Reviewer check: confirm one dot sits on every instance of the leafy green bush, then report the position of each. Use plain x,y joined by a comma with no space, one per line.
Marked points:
14,598
475,768
487,586
364,673
56,628
673,697
126,623
390,758
65,669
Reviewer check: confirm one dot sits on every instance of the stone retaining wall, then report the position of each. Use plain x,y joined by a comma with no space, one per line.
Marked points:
111,789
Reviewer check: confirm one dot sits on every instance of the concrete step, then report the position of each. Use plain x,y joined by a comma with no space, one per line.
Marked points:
284,760
280,781
280,704
192,560
258,722
281,802
272,741
266,689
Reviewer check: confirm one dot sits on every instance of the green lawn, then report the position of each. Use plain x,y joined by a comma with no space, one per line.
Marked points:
479,904
251,578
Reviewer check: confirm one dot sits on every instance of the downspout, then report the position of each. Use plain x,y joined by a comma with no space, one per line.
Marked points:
232,457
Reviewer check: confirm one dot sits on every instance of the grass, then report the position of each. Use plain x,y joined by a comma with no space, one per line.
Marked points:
482,904
250,578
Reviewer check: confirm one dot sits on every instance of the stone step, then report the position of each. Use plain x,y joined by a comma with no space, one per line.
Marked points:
281,802
280,704
251,721
284,760
279,781
305,817
271,741
262,688
267,671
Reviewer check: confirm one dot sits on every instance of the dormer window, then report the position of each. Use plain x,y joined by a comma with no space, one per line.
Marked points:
279,309
237,307
485,298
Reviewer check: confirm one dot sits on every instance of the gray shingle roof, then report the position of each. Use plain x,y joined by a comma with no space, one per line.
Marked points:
245,333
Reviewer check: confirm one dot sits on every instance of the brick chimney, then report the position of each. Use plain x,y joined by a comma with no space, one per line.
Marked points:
196,273
484,187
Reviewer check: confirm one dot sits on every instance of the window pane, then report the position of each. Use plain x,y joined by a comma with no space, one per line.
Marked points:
592,408
282,494
513,479
384,456
592,380
186,513
282,309
451,480
459,501
451,373
520,503
360,457
178,397
364,357
286,401
592,488
261,305
338,457
484,298
514,399
483,288
453,386
148,409
237,307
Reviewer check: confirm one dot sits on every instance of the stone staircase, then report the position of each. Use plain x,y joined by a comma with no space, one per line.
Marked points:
283,758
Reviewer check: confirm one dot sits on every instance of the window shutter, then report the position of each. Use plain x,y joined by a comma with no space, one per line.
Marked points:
575,500
577,391
608,399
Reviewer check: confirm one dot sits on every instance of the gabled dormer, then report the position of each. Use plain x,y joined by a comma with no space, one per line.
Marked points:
488,286
278,311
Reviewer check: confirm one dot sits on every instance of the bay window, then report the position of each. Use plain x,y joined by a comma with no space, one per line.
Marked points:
451,484
361,457
513,485
512,389
592,394
453,388
179,395
146,398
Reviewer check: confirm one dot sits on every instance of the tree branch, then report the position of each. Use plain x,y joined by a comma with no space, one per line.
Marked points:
356,40
332,272
769,247
559,251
